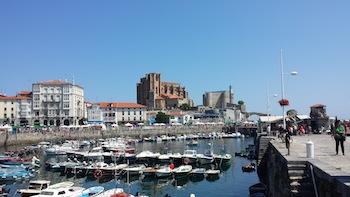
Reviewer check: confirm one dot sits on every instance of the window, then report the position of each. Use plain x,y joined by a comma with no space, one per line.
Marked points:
134,118
123,113
123,119
140,112
12,116
128,118
140,118
66,97
5,109
5,115
134,112
61,193
11,108
66,105
129,112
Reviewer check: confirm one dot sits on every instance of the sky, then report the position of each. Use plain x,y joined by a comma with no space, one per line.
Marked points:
107,46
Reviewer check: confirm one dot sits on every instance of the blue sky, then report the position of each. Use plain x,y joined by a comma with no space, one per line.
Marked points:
206,45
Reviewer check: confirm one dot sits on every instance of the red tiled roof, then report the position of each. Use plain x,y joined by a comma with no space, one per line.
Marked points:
24,92
8,98
120,105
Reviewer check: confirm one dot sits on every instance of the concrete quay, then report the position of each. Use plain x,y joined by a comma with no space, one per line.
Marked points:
325,175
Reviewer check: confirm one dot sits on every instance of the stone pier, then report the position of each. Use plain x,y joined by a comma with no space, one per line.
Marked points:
326,175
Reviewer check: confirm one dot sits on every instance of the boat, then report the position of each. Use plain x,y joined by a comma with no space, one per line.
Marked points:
258,190
176,157
34,188
164,158
197,174
222,159
92,191
14,173
61,185
134,170
204,159
248,168
111,192
3,191
192,143
212,175
61,191
189,157
182,171
164,172
147,156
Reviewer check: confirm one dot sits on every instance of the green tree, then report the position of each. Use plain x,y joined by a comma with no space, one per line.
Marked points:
185,107
240,102
162,118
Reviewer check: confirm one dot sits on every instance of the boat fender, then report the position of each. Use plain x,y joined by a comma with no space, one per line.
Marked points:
186,161
98,174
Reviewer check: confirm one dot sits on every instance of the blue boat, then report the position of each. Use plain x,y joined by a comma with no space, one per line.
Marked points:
14,173
92,191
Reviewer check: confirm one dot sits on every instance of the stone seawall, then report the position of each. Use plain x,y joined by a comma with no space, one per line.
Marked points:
52,136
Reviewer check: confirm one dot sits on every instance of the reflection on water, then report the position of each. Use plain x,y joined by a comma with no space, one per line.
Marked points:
230,182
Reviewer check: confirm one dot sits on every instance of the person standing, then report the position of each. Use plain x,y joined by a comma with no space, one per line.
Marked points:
287,140
339,136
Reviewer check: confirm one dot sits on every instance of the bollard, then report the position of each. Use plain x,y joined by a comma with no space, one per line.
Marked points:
310,153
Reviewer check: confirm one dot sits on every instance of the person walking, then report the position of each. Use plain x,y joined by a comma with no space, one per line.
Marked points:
339,136
288,140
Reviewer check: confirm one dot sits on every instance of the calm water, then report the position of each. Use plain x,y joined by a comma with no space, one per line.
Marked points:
232,181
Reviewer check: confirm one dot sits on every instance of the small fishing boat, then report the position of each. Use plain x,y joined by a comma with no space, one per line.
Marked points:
212,175
176,157
189,157
192,143
92,191
66,184
147,156
222,159
248,168
164,158
34,188
61,191
110,193
182,171
197,174
164,172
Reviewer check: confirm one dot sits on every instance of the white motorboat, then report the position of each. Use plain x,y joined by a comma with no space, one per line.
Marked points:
204,159
147,156
62,191
92,191
212,173
182,170
164,158
222,159
61,185
189,157
34,188
111,192
198,173
164,172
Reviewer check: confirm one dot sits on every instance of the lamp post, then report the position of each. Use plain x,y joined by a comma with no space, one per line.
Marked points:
284,102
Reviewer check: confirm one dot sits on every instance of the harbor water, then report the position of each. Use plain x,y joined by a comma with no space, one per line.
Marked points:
231,182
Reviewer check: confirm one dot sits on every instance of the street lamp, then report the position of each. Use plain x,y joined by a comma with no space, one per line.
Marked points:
284,102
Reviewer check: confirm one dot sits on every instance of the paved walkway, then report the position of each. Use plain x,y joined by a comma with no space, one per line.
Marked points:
325,158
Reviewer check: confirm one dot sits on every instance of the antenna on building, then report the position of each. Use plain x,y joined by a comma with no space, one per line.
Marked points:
230,90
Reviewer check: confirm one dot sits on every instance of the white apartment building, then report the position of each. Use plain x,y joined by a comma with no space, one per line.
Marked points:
16,110
94,113
57,103
121,113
